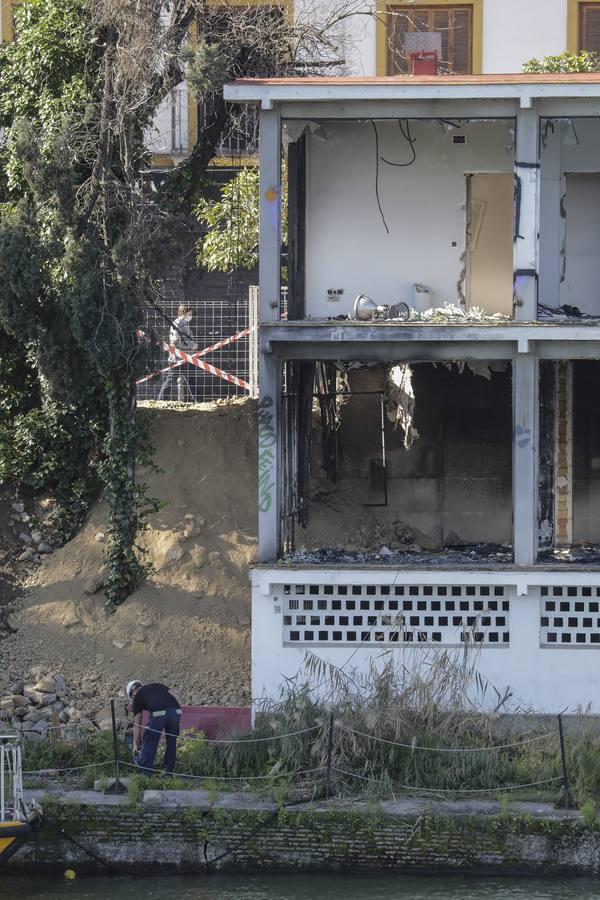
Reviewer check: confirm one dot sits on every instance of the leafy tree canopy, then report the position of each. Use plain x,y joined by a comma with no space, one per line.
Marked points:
230,241
564,62
85,234
44,72
231,222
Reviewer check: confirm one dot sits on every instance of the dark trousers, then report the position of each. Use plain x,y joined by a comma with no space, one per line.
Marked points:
169,723
168,389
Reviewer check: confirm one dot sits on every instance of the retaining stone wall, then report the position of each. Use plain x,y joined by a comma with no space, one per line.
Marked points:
319,837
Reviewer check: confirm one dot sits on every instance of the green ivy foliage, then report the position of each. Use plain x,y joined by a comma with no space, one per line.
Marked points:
19,385
75,268
44,66
50,422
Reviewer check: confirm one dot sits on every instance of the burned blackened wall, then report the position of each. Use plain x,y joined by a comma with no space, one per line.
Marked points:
586,450
453,483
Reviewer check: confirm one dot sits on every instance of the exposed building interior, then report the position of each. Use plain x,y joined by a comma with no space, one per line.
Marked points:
431,226
410,461
434,224
570,461
570,211
395,462
442,244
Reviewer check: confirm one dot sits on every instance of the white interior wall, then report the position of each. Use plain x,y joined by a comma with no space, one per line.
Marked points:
424,204
581,285
514,32
569,225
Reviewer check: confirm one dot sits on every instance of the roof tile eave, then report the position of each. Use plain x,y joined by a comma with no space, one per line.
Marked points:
428,80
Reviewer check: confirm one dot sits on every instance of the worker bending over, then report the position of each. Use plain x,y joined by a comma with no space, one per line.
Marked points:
164,717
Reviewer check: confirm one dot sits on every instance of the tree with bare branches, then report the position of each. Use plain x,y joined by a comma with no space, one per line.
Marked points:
84,233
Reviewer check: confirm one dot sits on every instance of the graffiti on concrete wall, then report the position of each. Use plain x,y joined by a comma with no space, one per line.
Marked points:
267,448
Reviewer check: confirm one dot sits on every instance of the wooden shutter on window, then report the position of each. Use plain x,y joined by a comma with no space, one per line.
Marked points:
461,41
589,27
455,24
441,20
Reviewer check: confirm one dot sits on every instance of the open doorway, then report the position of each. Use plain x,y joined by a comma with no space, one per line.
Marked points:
581,211
489,282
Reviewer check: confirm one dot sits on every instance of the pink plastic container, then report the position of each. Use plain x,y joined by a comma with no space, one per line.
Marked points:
215,721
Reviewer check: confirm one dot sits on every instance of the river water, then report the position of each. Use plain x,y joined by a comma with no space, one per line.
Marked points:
297,887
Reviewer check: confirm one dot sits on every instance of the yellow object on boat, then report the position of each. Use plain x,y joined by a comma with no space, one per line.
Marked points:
13,835
18,818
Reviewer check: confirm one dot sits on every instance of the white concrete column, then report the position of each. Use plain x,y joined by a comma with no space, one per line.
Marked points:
526,246
551,254
269,380
269,458
270,215
525,457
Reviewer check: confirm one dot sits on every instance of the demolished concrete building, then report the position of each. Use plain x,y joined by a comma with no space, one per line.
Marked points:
429,418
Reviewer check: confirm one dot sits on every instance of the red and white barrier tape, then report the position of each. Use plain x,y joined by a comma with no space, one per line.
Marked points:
174,365
195,359
226,376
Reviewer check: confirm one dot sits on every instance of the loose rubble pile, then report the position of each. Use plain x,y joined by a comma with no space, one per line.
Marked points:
396,543
452,314
34,531
42,709
583,554
446,556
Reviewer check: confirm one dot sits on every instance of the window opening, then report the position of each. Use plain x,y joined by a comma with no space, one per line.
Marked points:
589,27
454,24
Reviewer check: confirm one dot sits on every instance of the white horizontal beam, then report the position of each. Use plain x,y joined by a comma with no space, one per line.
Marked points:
344,333
264,577
569,350
402,109
393,350
557,108
324,90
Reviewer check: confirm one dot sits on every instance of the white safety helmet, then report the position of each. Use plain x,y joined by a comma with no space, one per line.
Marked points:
131,686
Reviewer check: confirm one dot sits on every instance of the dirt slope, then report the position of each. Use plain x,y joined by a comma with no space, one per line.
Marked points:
189,625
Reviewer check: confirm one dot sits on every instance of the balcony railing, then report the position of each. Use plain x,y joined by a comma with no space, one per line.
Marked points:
241,138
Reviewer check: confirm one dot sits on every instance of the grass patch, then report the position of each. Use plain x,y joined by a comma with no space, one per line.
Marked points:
389,728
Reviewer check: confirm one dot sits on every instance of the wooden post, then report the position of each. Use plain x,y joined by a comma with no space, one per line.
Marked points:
329,758
117,787
563,454
566,800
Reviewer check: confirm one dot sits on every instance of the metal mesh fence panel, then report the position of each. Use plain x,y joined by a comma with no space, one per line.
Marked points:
212,322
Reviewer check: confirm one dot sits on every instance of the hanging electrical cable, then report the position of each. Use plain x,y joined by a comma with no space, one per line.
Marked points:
381,213
410,141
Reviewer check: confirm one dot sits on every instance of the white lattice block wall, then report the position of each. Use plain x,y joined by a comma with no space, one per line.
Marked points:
350,613
570,616
357,618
